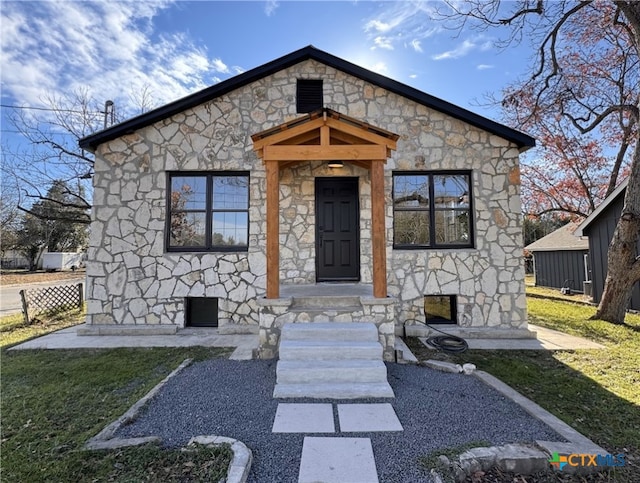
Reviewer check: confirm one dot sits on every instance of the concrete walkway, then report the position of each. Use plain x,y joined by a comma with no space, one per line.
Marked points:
336,459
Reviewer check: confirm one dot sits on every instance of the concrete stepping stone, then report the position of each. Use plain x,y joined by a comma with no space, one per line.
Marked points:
304,418
361,418
337,460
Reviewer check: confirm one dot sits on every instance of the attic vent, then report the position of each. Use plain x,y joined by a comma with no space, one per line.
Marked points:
308,95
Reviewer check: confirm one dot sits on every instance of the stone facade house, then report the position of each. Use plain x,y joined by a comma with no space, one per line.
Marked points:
307,189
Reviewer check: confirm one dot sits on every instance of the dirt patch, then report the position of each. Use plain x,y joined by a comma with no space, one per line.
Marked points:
16,277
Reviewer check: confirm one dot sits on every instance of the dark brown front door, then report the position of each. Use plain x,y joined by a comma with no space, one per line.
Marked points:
337,230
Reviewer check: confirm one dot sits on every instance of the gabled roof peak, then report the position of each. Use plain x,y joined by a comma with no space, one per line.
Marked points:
92,141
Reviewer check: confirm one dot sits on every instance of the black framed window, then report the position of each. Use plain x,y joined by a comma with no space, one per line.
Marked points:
432,209
208,211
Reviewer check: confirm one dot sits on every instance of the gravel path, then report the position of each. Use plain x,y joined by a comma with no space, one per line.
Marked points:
233,398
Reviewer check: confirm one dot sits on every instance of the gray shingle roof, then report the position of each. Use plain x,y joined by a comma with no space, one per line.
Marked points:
561,239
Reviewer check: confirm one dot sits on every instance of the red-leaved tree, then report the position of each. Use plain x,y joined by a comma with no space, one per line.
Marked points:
581,99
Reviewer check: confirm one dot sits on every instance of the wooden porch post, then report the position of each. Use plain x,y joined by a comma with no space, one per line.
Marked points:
378,229
273,229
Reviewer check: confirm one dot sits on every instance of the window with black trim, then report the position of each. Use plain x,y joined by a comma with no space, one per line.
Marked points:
308,95
208,211
432,209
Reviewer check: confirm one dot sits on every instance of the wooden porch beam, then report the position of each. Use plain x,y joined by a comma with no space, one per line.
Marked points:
273,229
287,133
324,153
362,164
378,229
361,133
324,136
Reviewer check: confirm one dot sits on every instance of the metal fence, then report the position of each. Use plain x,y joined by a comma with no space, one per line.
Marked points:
37,301
14,262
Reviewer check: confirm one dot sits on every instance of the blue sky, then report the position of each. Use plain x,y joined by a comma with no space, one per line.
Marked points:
114,49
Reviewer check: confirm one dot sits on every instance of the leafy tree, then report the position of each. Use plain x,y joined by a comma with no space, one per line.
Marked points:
51,224
9,220
60,217
31,239
534,228
582,100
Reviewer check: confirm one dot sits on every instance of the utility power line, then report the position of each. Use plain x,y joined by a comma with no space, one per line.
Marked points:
48,109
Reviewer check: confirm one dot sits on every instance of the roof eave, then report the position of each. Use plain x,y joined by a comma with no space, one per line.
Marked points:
557,249
601,207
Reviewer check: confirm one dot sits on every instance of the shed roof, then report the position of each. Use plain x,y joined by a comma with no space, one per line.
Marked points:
562,239
91,142
619,191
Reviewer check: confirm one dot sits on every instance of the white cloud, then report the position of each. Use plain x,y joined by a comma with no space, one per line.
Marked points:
383,43
57,47
220,66
460,51
413,76
379,67
270,6
407,22
487,45
467,46
377,26
484,66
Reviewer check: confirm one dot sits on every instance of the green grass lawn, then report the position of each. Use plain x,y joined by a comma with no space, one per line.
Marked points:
13,330
595,391
53,401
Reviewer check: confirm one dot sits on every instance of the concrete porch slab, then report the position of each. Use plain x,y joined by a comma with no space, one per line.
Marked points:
206,337
303,418
337,460
362,418
546,339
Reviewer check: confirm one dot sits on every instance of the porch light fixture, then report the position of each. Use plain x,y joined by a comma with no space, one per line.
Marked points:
336,164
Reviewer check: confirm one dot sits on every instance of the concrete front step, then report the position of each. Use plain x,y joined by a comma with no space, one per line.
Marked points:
320,315
318,372
338,331
346,390
331,360
335,301
326,350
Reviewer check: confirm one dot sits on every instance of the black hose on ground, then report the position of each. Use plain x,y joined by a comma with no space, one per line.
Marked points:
448,343
445,342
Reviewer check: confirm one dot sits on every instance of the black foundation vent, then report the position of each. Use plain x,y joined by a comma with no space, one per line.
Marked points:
201,311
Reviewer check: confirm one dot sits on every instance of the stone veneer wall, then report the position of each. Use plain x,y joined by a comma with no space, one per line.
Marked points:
132,280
